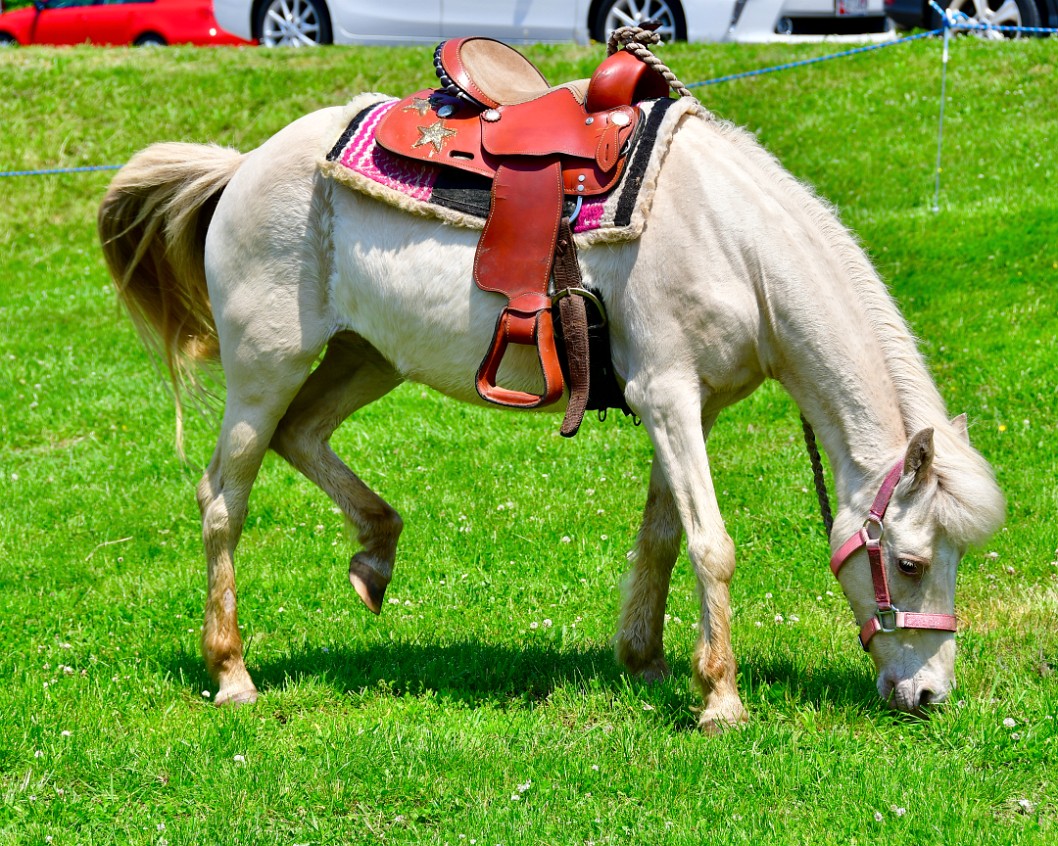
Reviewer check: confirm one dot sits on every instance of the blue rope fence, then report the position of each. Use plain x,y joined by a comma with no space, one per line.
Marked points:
55,170
804,62
950,21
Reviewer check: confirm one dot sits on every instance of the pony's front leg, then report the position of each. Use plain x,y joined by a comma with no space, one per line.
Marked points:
646,588
674,420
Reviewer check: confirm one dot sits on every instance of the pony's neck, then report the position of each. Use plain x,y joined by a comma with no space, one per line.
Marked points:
849,361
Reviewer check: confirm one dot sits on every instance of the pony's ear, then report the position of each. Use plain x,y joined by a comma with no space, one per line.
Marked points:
919,457
961,427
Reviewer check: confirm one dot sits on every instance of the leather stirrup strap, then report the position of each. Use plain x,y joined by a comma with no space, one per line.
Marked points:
574,317
514,258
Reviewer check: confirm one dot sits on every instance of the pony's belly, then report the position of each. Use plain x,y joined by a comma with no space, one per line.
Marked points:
406,285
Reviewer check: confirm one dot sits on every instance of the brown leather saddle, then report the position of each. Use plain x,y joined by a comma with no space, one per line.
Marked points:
495,115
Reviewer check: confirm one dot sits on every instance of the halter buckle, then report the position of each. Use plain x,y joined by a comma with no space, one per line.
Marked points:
887,619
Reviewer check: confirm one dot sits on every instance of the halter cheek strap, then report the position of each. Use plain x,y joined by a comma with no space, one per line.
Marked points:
887,618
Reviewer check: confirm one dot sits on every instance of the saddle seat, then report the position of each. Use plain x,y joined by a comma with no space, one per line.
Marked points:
488,72
495,115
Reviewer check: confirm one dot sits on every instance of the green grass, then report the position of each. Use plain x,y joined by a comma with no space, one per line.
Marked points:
423,725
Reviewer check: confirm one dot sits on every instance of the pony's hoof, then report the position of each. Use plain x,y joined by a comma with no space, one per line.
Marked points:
235,698
717,721
654,672
369,583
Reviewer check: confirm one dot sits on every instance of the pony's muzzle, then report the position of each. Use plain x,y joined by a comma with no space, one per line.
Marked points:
915,695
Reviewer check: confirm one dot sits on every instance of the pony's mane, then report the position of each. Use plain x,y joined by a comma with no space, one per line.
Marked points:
967,500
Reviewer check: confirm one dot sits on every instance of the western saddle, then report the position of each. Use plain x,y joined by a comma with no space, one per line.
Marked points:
495,115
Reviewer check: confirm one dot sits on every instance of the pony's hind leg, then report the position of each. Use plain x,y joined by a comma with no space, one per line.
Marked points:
256,400
351,375
646,588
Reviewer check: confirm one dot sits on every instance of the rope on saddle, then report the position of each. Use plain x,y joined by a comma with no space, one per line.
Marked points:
817,475
574,321
636,40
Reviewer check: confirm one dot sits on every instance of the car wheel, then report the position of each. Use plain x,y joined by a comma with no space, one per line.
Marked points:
7,40
294,23
996,13
616,13
149,39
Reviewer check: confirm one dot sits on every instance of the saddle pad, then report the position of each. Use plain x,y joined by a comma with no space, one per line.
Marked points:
462,198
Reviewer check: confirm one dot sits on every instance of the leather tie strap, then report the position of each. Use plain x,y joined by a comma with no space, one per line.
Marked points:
574,319
887,618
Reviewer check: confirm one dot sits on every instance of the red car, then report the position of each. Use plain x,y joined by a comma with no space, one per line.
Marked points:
139,22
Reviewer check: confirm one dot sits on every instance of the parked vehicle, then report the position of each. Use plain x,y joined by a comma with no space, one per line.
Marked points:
912,13
139,22
310,22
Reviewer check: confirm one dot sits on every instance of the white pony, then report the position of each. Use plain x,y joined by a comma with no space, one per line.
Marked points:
741,274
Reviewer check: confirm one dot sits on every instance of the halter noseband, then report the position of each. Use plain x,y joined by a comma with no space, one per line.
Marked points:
887,618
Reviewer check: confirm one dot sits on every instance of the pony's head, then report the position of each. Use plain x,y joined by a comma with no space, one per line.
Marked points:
898,566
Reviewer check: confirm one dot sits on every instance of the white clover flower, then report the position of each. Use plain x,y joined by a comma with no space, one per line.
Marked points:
1009,722
239,759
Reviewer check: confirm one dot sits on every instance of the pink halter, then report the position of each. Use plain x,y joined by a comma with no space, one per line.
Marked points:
887,618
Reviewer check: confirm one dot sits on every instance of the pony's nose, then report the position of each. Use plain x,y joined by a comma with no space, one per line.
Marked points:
915,696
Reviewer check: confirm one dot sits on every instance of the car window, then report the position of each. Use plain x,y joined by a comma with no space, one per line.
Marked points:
67,4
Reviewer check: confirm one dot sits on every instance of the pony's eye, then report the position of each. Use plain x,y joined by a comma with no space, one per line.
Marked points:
910,566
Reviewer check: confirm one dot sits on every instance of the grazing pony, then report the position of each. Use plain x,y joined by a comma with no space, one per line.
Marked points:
741,274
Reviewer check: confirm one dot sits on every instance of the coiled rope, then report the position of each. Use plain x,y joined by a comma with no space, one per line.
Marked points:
637,40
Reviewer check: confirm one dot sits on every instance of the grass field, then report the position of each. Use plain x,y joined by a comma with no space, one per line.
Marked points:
484,706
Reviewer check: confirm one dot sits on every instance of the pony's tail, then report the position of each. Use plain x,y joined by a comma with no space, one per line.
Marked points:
152,224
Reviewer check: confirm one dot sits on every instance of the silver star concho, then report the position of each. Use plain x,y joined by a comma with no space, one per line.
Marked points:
418,104
435,134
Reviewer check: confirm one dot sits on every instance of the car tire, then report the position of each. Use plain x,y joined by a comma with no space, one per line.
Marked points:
293,23
616,13
149,39
7,40
1019,13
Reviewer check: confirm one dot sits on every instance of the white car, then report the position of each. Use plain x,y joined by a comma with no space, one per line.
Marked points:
309,22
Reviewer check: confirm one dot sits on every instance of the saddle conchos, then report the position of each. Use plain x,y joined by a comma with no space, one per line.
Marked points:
544,148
